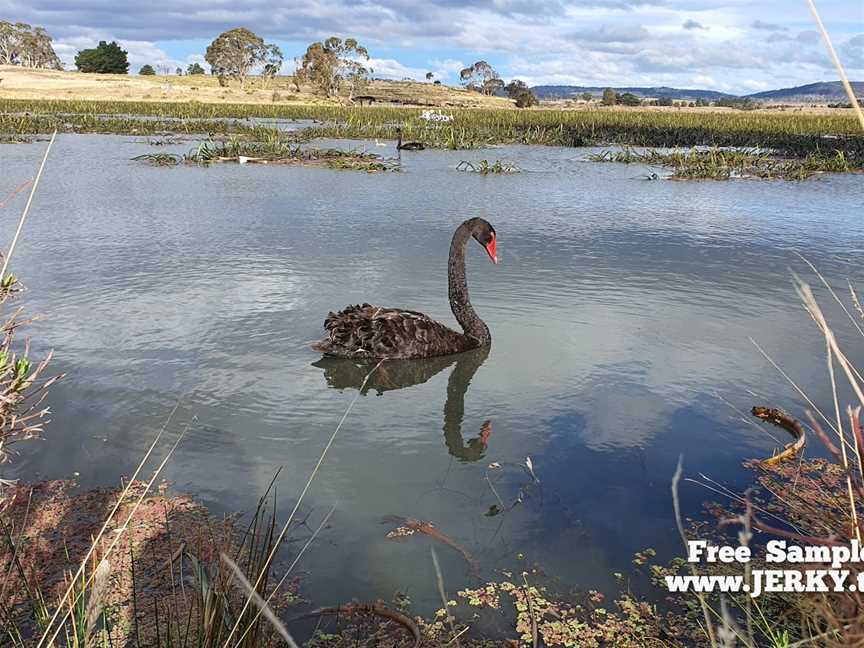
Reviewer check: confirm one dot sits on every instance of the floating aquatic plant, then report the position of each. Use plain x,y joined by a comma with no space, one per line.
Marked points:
483,167
160,159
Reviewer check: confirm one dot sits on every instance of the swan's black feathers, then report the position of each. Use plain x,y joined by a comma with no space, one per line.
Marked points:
371,332
366,332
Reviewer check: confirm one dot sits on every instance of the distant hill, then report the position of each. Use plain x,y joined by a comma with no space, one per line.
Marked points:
813,92
823,91
569,92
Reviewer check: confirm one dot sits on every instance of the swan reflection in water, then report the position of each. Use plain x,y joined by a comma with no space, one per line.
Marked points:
341,373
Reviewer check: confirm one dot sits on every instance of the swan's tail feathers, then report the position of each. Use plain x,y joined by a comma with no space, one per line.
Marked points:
322,346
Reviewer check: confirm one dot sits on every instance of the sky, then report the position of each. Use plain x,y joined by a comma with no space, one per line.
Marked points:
738,46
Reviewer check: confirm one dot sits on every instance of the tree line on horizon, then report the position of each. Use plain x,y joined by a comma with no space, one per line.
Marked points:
333,66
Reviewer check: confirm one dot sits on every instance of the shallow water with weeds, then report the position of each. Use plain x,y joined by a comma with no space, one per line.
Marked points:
794,134
620,314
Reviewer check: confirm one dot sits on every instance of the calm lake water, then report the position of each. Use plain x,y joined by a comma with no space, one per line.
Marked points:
621,314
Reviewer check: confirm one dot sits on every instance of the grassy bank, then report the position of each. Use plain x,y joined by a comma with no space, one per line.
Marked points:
793,134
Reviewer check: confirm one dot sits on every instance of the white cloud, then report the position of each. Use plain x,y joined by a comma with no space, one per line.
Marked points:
620,42
393,69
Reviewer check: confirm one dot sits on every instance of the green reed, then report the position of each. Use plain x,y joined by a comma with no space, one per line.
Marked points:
793,134
724,164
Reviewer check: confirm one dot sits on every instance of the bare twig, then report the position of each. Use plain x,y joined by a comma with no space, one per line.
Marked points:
439,581
376,609
14,193
782,419
27,207
709,629
528,598
837,64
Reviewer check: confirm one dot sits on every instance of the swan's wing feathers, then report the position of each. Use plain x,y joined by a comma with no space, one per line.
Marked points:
366,331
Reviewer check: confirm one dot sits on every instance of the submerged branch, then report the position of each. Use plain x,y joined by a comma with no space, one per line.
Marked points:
374,609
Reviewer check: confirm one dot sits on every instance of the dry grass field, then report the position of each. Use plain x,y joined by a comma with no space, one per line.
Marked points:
24,83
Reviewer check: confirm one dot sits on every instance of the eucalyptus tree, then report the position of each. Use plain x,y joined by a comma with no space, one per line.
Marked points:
27,46
481,77
335,65
519,92
237,52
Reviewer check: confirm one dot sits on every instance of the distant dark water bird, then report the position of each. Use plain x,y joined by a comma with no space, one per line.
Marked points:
408,146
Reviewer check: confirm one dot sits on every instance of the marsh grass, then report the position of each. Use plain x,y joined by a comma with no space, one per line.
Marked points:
274,150
160,159
484,167
26,125
793,134
15,139
726,164
22,386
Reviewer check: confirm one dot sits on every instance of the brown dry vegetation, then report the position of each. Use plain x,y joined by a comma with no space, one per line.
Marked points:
24,83
161,582
792,108
48,528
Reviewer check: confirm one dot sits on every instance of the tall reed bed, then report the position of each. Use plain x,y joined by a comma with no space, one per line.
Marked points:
795,134
723,164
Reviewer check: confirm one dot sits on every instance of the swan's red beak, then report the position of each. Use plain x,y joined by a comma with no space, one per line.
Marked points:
490,249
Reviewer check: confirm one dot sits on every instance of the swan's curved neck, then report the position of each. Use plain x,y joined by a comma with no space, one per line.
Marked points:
457,285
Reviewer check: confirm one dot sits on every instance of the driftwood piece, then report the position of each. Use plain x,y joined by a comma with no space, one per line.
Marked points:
781,419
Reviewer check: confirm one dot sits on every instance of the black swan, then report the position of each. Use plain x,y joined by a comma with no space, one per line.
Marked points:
375,333
408,146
